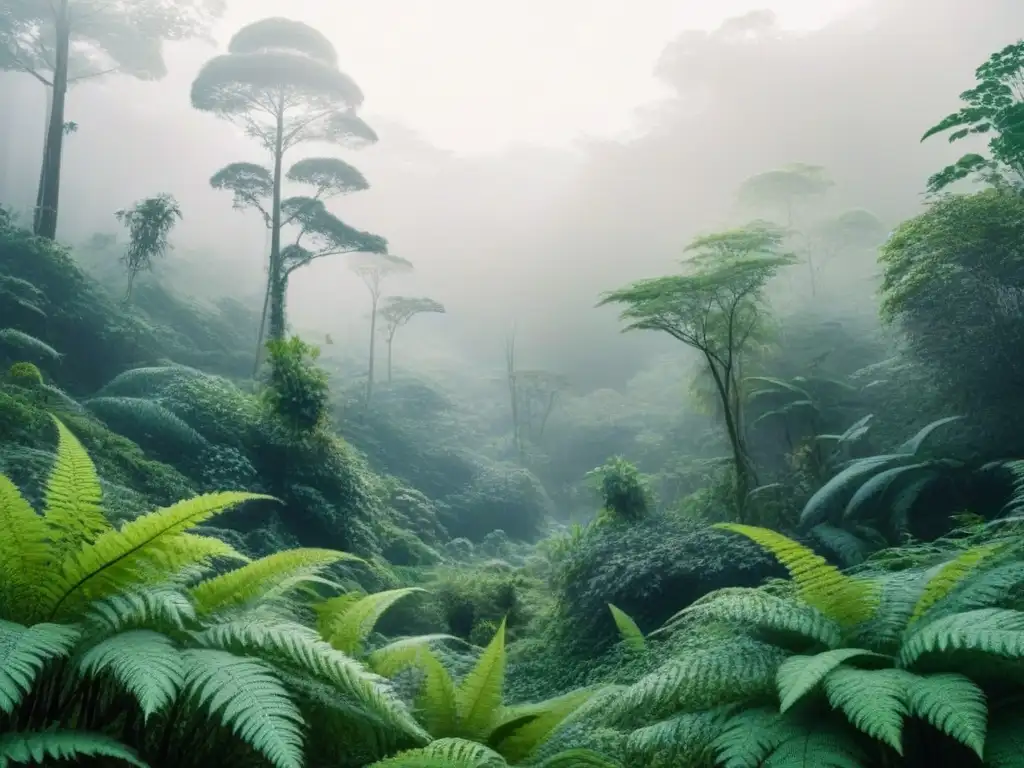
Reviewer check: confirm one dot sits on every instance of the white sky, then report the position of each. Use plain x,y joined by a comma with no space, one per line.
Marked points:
479,75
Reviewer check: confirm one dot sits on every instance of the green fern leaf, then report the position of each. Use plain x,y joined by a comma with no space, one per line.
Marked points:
297,646
73,509
843,599
42,746
142,550
950,575
799,675
996,631
345,624
145,663
686,739
24,552
544,718
631,635
255,581
249,701
446,753
159,607
954,705
750,736
817,748
23,653
437,700
873,700
757,608
479,695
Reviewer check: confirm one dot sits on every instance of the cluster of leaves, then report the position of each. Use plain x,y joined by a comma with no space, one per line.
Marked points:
125,643
297,390
918,666
624,493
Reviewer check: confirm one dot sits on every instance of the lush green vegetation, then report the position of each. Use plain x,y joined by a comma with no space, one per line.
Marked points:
814,560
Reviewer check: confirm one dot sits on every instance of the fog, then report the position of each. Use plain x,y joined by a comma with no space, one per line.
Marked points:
534,155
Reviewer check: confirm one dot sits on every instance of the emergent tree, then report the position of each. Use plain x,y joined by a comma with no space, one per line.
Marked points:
280,81
62,42
373,269
715,307
397,311
149,224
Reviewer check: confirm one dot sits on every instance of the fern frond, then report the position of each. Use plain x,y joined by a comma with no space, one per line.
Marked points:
480,693
995,631
118,559
145,663
630,633
296,646
73,511
25,551
899,592
950,575
43,746
751,735
254,581
685,739
799,675
757,608
817,746
346,623
700,680
158,606
533,724
446,753
244,694
991,588
954,705
843,599
873,700
24,651
437,700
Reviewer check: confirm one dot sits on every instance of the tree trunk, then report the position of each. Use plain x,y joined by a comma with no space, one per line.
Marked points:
391,341
373,346
263,327
276,278
745,476
46,221
42,162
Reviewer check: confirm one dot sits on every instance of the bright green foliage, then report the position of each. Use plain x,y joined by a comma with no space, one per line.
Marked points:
716,307
993,108
631,634
623,491
848,661
25,375
346,621
147,661
459,753
471,714
297,390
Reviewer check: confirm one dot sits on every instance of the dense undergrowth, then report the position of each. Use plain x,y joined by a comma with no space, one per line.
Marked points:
816,562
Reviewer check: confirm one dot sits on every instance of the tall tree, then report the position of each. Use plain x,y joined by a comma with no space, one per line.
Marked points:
780,193
716,306
397,311
280,81
307,217
851,231
63,42
374,269
149,224
993,108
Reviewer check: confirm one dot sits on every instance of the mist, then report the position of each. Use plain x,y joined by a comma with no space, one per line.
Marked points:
570,166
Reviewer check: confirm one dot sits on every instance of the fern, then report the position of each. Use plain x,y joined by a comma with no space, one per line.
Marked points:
41,747
844,599
258,580
798,675
480,694
143,551
346,621
954,705
949,576
73,512
631,635
144,663
24,651
249,700
874,701
24,550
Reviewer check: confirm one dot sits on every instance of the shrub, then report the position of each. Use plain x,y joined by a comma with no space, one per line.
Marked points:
297,391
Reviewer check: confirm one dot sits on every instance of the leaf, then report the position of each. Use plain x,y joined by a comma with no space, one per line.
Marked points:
798,675
479,695
348,627
632,637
